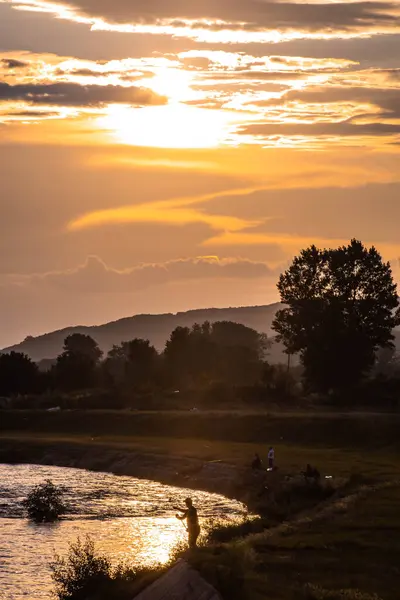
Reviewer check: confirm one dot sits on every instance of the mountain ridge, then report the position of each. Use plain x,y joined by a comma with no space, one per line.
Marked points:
155,327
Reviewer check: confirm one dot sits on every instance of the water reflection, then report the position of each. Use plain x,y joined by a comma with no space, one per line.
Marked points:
130,519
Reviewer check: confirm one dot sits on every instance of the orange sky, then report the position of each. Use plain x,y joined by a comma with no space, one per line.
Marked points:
158,156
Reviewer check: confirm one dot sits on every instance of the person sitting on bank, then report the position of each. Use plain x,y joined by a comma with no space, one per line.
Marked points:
256,463
192,521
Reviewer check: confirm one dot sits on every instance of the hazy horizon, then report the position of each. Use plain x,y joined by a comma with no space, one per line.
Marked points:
159,157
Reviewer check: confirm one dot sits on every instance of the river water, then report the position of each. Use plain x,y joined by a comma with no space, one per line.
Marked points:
131,520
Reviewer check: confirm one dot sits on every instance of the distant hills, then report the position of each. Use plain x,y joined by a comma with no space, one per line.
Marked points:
156,328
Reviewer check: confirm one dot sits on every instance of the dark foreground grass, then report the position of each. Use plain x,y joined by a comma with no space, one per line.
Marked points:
350,553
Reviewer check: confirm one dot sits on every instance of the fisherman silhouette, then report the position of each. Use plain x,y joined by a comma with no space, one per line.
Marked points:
192,521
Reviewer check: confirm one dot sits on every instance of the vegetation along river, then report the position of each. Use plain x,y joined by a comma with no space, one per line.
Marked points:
129,519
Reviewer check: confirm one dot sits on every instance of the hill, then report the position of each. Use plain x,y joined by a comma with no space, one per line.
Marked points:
156,328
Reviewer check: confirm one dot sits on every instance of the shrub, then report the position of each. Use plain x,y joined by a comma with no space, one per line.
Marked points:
85,574
44,503
82,573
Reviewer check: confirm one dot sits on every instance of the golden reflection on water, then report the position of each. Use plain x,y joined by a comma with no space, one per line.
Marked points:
159,537
130,520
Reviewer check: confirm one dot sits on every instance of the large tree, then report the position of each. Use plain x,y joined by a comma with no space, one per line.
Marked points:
213,353
18,374
76,367
341,306
133,364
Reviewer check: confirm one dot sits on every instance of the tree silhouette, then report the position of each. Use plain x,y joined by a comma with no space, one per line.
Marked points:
213,353
83,345
133,364
76,367
18,374
341,307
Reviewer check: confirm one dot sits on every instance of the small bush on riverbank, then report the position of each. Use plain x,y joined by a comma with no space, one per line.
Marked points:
84,573
44,503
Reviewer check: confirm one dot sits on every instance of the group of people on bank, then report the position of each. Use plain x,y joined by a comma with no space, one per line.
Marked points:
257,463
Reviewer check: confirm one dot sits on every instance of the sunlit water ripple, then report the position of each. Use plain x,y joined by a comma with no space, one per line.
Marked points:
129,519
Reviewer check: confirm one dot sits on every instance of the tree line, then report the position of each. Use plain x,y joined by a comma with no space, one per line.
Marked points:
200,356
340,307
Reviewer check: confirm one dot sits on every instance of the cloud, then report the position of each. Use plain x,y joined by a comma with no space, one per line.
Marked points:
256,75
288,240
85,72
12,63
347,128
180,211
122,74
30,114
387,99
199,63
253,15
73,94
95,277
95,293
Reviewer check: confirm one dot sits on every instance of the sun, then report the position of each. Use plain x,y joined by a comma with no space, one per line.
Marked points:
174,125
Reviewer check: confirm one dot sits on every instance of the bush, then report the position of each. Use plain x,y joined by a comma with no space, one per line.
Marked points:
44,503
84,574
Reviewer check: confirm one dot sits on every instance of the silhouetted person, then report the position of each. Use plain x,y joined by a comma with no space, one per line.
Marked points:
271,458
257,463
192,521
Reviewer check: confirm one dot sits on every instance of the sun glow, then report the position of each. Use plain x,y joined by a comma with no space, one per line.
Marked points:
171,126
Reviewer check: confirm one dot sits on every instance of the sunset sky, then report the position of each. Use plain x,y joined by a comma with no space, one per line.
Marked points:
162,155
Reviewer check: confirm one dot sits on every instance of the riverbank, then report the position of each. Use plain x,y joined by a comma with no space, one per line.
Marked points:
209,451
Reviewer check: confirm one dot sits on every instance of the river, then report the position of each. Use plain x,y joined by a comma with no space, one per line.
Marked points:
129,519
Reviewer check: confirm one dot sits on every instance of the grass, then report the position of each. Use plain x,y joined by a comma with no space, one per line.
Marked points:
350,553
300,429
377,464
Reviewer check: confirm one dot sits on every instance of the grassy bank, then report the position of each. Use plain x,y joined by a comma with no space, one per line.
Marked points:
348,551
